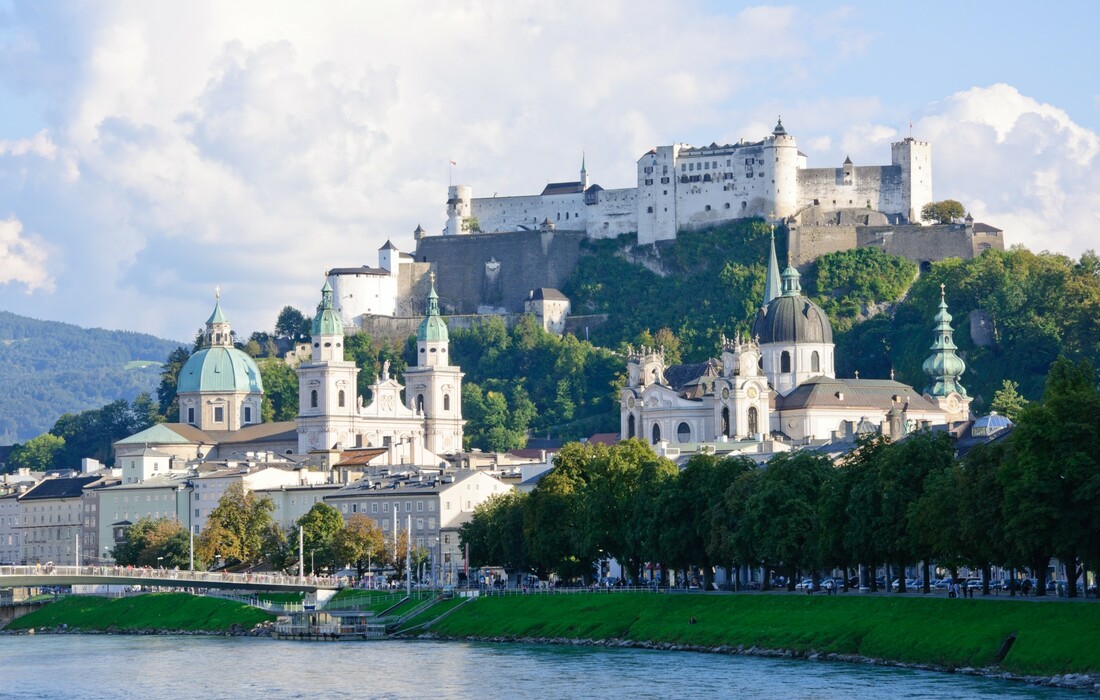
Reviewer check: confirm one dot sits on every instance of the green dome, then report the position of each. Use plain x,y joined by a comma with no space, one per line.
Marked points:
433,327
327,321
220,369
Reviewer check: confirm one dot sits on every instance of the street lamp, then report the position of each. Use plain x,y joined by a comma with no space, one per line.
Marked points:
160,562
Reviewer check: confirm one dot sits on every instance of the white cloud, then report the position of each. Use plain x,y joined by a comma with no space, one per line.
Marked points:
23,258
254,145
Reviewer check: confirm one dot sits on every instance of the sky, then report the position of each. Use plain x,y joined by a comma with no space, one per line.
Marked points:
150,152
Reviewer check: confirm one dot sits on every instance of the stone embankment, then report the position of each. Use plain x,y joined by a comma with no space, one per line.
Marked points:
1074,681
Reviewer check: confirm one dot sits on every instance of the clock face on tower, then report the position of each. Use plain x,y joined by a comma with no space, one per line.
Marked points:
725,393
753,392
630,402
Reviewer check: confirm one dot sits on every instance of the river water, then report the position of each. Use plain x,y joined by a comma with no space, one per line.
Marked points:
178,668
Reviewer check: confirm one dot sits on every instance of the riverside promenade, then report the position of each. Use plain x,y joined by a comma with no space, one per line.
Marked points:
43,575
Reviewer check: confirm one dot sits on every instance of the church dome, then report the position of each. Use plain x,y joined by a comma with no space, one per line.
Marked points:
792,318
219,369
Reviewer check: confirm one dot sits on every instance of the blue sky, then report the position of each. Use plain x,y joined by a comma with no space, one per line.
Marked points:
149,151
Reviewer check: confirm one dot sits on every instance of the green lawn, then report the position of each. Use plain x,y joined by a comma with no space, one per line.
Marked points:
351,598
157,611
439,608
1052,637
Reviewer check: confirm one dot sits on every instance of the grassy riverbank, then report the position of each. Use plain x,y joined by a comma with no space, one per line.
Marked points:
1052,637
175,612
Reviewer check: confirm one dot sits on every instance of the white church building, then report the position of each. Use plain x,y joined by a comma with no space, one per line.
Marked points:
781,383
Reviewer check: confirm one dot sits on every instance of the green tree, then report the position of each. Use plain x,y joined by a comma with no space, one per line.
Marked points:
319,528
169,379
783,511
237,527
280,400
1007,401
553,518
495,532
292,324
38,454
360,543
943,212
154,542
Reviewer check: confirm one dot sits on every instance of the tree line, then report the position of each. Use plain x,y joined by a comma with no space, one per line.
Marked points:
1013,502
240,532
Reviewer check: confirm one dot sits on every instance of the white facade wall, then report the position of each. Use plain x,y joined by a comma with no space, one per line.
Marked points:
50,529
210,488
802,364
9,530
171,500
614,213
498,214
292,502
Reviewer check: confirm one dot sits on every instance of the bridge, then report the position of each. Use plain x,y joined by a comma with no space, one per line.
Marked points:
37,576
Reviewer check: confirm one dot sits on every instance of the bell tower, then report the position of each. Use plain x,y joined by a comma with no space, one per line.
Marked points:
328,401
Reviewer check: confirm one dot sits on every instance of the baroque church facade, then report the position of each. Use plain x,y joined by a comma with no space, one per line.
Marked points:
781,382
220,392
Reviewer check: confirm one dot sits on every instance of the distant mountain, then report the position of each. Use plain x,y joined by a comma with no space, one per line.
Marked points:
49,368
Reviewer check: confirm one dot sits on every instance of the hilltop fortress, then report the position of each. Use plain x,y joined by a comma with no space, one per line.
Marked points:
683,187
509,255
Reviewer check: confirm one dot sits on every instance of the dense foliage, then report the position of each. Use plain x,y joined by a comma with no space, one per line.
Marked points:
160,542
527,379
53,368
1015,502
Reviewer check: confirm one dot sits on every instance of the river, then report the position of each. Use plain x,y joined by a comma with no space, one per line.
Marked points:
178,668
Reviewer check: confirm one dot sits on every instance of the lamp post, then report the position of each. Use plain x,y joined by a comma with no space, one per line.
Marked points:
160,562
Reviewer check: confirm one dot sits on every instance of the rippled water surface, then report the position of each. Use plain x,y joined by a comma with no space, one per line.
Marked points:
175,668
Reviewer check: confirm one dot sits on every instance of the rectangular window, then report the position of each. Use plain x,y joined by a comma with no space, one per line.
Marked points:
408,506
374,507
386,507
420,506
190,419
219,414
431,506
420,523
247,414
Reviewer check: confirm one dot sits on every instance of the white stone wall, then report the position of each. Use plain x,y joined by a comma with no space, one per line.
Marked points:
500,214
50,529
368,292
801,364
614,213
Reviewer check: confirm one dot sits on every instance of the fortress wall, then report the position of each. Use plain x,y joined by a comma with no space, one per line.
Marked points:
527,260
920,243
614,214
413,285
357,294
810,242
880,186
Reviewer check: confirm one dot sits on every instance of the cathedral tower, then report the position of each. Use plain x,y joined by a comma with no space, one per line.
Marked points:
433,388
328,400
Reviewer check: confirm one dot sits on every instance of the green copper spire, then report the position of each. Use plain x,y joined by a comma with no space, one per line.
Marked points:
771,281
943,366
327,321
433,327
217,316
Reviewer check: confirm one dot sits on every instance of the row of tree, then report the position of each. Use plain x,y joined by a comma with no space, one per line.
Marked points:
1013,502
241,532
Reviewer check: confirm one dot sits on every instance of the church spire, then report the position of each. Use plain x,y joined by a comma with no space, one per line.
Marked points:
943,366
791,285
584,173
771,281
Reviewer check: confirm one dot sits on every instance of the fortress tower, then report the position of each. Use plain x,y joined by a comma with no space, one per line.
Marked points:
458,208
914,158
783,167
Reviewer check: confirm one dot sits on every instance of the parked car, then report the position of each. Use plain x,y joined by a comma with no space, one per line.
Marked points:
973,583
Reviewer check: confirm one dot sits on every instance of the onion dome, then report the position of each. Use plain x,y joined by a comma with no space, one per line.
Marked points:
791,317
433,327
943,366
327,321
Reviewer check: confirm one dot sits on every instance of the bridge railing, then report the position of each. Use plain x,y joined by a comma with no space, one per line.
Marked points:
153,576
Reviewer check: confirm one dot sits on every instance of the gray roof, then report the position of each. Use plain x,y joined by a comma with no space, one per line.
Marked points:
406,485
680,376
548,293
71,487
792,319
364,270
827,392
563,188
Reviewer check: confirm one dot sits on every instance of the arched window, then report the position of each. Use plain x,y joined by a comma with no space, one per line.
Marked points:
754,428
420,403
630,427
446,402
656,433
726,421
340,399
683,432
313,398
815,362
785,362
